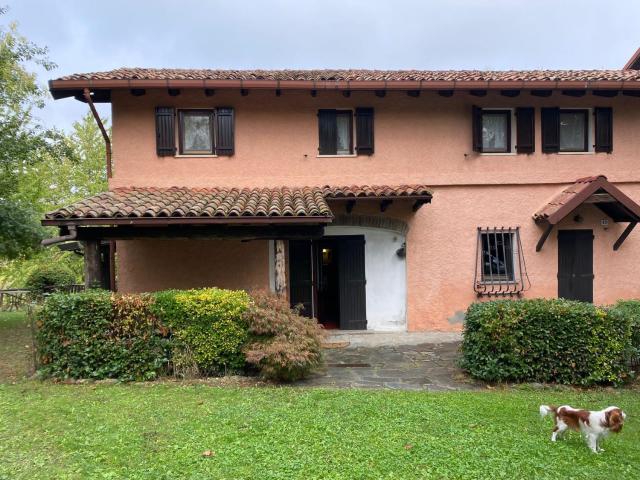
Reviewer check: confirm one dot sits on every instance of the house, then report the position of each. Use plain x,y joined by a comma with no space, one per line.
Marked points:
382,200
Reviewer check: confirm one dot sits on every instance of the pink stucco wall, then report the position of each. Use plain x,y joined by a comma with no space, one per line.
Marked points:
156,264
418,140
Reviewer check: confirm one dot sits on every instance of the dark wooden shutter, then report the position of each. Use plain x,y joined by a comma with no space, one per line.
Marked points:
353,299
550,118
476,128
364,131
604,129
224,131
525,133
165,131
327,130
575,265
300,275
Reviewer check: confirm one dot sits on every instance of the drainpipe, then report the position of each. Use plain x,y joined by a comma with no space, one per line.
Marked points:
105,135
73,235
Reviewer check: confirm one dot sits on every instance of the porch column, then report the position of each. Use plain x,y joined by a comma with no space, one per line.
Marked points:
92,264
280,269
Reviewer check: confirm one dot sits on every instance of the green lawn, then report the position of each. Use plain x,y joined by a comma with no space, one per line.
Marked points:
160,430
16,353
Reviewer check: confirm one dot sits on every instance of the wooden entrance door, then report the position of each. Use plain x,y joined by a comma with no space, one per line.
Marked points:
301,275
327,277
353,299
575,265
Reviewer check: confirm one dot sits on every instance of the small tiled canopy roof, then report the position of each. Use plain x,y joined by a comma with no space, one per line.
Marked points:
596,190
220,205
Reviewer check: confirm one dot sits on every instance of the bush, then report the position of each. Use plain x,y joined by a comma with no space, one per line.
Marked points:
97,335
631,309
546,341
207,326
49,277
284,345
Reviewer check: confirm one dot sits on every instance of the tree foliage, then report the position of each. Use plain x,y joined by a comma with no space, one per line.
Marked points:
40,169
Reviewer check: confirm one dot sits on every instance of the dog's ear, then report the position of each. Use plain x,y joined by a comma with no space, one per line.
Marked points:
614,420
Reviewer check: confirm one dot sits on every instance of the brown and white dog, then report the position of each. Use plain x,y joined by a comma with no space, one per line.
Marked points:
595,425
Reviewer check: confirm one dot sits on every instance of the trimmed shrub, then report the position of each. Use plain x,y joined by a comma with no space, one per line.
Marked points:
207,325
631,309
97,335
284,344
546,340
48,277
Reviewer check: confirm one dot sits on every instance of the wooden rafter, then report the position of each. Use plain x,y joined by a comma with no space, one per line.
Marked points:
624,235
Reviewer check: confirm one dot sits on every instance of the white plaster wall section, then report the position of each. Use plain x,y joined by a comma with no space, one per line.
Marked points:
386,275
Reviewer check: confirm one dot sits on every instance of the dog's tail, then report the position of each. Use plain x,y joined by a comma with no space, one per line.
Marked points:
546,410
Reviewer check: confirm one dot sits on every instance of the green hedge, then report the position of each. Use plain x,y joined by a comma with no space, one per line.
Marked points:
207,326
631,309
546,340
96,334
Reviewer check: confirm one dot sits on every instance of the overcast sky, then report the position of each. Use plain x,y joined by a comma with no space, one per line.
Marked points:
89,36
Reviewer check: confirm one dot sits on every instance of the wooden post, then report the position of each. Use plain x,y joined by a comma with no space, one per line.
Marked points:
280,269
92,264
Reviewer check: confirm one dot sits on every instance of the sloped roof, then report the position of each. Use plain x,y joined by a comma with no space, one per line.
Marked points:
357,75
595,189
220,205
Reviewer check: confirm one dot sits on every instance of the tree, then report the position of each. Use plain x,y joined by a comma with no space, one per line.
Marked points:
23,141
56,182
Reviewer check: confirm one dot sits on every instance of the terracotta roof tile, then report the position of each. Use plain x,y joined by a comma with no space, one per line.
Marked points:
177,202
564,197
355,75
382,191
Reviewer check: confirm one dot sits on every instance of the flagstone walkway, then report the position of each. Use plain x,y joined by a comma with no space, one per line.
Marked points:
425,366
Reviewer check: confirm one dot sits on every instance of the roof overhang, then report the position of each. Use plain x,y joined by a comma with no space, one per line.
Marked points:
280,212
101,89
597,191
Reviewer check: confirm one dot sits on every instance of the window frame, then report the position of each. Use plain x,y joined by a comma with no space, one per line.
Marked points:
587,129
182,112
511,140
497,278
352,132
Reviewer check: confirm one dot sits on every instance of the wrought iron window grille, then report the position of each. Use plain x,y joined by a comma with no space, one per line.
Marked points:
500,265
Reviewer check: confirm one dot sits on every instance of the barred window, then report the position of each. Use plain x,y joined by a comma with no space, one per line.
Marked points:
500,266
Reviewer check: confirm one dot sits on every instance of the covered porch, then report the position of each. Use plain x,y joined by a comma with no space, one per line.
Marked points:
145,239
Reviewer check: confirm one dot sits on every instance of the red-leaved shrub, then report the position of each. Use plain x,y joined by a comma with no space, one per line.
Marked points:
284,345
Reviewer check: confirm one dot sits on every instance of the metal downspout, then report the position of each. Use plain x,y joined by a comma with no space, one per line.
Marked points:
105,135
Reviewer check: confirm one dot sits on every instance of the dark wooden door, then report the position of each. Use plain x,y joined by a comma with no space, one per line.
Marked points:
301,275
575,265
353,308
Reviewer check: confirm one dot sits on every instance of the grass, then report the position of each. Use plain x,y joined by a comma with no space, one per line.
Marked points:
16,354
160,430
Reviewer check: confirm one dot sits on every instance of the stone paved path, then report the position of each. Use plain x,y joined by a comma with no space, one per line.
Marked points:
426,366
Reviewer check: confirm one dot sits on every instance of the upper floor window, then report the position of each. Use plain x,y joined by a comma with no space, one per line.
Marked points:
337,135
575,130
336,132
493,132
199,131
496,131
196,132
